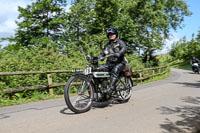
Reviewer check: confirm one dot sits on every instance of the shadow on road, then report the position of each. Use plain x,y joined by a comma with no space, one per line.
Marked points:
66,111
196,85
3,116
191,73
190,116
95,105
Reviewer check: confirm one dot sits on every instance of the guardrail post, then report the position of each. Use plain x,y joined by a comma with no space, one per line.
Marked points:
50,83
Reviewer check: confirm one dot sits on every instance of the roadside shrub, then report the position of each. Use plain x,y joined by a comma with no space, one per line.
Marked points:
36,59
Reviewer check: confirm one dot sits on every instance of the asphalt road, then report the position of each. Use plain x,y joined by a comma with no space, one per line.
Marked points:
167,106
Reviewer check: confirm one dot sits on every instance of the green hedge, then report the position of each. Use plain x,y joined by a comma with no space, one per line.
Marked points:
36,60
42,59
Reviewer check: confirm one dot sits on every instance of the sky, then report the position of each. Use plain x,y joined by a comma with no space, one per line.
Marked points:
191,25
9,13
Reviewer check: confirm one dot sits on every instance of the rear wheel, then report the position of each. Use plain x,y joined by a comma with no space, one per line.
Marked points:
79,94
124,89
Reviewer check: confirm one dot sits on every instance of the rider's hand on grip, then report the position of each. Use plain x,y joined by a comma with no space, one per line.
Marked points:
95,58
101,58
88,58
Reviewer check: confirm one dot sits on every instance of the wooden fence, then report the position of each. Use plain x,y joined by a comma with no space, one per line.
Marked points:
140,75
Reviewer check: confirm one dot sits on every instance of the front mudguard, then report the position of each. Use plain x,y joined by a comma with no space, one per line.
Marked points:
89,79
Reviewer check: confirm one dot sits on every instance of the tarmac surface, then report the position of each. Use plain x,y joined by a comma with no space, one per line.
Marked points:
166,106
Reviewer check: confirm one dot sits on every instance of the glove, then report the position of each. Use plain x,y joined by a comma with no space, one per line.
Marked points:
88,58
101,58
95,58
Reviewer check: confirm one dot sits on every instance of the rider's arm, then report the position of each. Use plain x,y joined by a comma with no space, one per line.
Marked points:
198,61
122,50
102,54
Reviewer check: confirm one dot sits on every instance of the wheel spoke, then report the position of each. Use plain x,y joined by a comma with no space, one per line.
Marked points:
79,99
80,94
86,97
124,88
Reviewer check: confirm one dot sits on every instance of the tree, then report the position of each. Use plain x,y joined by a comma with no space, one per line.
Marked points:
195,46
40,23
178,49
183,49
154,19
87,23
106,12
142,24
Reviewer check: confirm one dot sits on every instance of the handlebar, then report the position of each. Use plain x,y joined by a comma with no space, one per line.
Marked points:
95,59
89,58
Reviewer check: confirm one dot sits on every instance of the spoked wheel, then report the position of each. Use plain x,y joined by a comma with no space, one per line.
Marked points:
79,94
124,89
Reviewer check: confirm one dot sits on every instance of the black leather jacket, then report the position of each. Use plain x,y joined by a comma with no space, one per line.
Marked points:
192,61
117,49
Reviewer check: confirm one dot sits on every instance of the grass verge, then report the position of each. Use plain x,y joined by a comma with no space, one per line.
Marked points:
156,78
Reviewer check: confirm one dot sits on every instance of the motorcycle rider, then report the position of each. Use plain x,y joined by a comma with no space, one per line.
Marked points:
115,63
194,60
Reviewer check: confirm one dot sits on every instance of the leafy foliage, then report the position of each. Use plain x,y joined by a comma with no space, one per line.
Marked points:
183,49
35,60
40,23
142,24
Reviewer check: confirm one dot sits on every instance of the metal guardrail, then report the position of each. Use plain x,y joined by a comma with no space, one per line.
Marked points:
142,76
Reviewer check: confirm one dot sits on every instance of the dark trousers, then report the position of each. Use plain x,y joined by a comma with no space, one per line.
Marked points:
115,70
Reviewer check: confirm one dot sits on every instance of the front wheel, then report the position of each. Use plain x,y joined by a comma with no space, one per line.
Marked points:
79,94
124,89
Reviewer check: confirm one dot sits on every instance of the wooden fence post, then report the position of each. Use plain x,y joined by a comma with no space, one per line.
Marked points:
140,77
50,83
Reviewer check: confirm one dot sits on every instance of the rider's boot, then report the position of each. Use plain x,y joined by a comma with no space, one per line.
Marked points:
111,86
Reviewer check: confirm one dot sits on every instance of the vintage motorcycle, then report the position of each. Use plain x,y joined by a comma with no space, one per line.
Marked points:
83,89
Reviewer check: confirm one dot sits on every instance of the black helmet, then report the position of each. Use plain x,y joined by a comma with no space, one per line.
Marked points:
111,31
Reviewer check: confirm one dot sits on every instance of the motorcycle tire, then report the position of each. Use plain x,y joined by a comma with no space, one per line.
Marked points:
79,94
124,89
